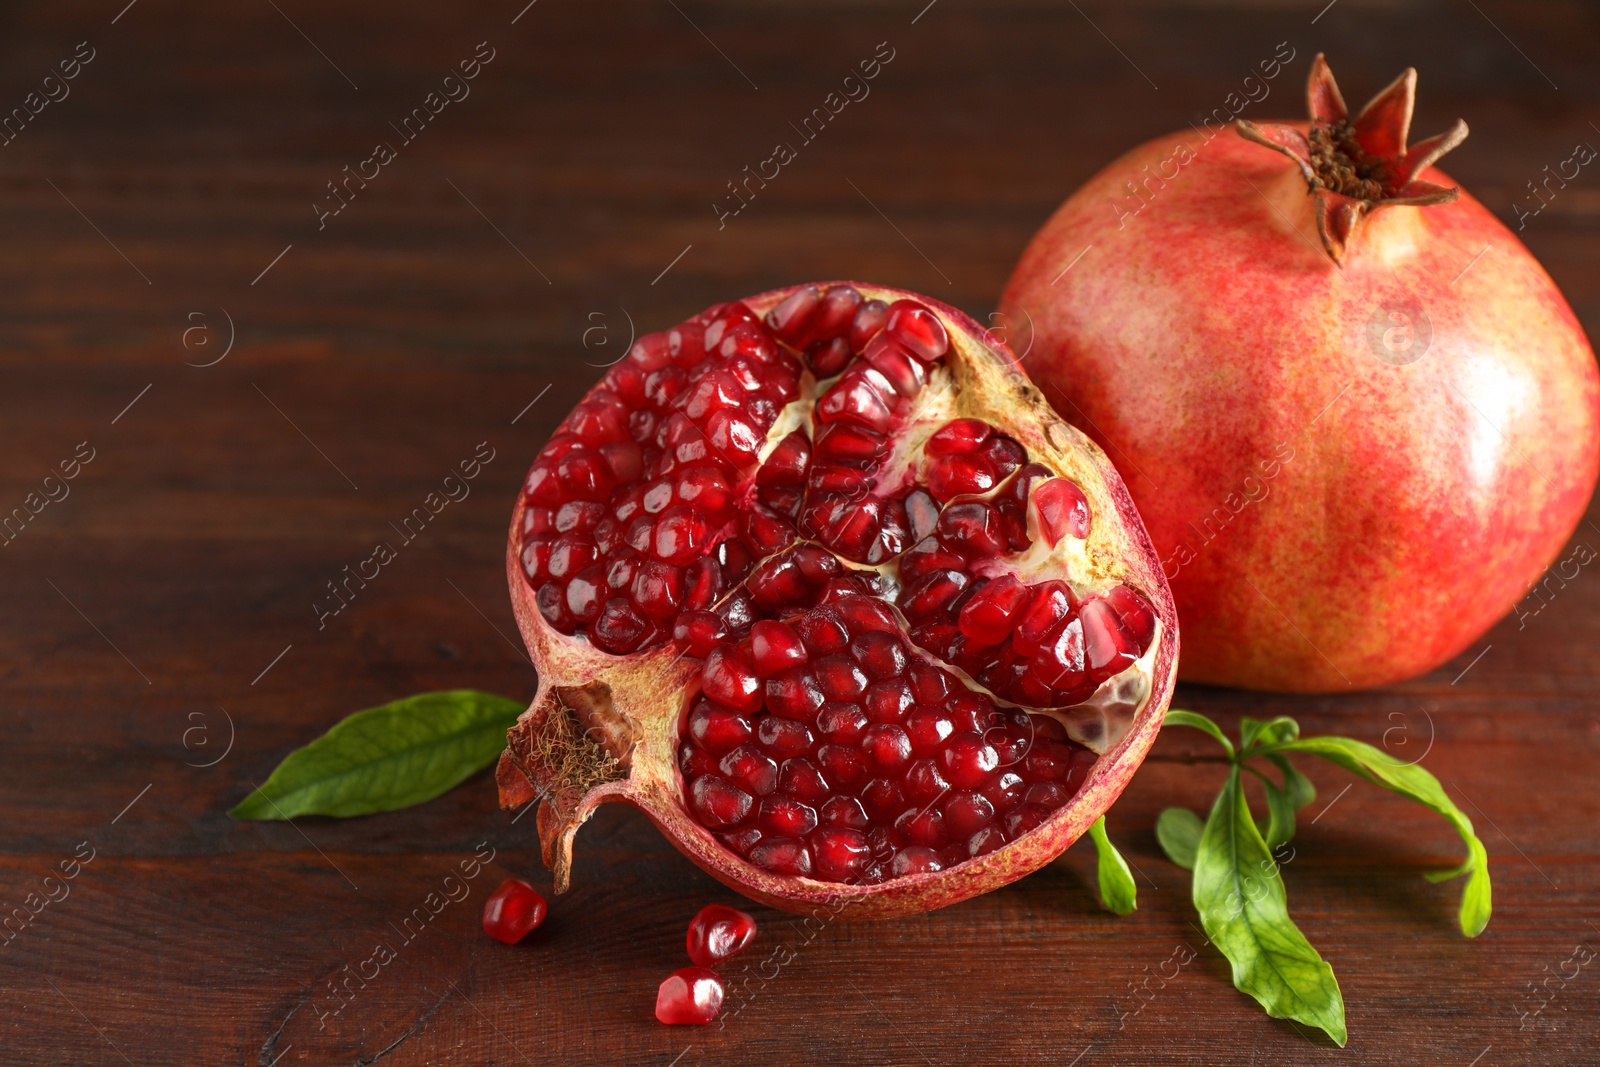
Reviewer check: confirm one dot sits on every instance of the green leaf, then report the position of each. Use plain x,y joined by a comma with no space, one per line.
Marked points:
1280,816
1178,830
1118,891
1176,717
1298,786
387,757
1253,732
1410,780
1245,913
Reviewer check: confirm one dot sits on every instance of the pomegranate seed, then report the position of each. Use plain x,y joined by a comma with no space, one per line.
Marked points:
929,684
865,614
985,841
823,631
918,329
841,722
843,766
552,602
1005,792
718,932
1049,605
690,996
928,727
800,779
968,760
790,317
887,748
536,559
904,373
656,589
784,737
888,700
699,631
750,769
1060,663
923,827
512,911
916,859
1107,647
774,646
973,529
1134,614
880,654
1063,510
680,535
924,783
717,803
742,838
883,799
1047,795
785,855
839,677
845,811
967,813
1022,819
694,761
842,853
958,436
619,629
987,617
794,694
868,320
730,678
786,817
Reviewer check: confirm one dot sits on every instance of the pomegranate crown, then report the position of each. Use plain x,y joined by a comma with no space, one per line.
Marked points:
1354,167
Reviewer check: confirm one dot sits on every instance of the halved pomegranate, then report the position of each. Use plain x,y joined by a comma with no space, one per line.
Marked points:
819,582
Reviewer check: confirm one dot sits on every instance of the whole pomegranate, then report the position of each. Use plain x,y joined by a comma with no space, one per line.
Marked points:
819,582
1356,415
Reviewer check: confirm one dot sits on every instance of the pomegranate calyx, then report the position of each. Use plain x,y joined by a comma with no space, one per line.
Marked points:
569,743
1354,167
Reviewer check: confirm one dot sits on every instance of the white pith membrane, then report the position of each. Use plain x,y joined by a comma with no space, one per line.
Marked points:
970,382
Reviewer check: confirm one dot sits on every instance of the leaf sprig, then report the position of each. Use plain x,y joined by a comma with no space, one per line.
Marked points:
392,756
1237,888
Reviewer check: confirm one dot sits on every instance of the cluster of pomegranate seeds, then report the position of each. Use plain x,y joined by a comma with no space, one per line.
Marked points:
783,498
512,911
826,747
694,994
630,504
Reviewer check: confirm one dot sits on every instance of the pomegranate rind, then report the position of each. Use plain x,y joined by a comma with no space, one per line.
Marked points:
636,722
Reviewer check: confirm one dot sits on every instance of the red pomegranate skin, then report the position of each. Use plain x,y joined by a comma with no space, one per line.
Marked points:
1327,519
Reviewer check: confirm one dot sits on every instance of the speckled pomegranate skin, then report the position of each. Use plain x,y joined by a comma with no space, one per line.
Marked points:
1337,503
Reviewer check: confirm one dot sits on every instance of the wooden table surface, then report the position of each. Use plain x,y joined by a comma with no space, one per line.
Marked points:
159,652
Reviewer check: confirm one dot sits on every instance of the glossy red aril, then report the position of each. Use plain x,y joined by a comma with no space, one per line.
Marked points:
809,578
1364,421
717,932
690,996
512,911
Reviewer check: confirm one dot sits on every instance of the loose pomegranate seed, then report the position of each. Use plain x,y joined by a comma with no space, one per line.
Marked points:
691,996
826,575
717,932
512,911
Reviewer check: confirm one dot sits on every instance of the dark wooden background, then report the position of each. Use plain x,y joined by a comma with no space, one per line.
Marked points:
142,612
